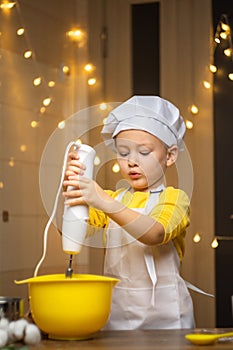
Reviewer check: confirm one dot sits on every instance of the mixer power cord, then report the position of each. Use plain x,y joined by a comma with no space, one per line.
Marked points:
46,231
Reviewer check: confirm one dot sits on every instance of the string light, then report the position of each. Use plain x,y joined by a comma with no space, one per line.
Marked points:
20,31
78,141
230,76
115,168
66,70
214,243
11,162
223,35
23,148
34,124
77,35
194,109
223,32
227,52
47,101
42,110
89,67
196,238
37,81
103,106
189,124
97,160
7,5
61,125
225,27
91,81
213,68
51,83
27,54
206,84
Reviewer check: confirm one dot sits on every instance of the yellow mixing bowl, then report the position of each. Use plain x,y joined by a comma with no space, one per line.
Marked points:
70,308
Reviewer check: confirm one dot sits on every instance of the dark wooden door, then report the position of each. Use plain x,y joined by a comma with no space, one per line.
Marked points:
223,146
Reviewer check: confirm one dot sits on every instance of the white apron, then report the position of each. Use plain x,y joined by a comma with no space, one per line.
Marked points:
151,293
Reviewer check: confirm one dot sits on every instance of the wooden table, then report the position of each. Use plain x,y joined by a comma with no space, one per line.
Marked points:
137,340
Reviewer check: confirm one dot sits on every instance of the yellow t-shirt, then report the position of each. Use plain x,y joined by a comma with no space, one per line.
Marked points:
172,211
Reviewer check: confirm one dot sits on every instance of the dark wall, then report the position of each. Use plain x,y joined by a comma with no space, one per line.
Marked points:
223,126
145,48
223,145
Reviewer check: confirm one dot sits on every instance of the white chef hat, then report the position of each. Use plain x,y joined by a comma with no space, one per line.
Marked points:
153,114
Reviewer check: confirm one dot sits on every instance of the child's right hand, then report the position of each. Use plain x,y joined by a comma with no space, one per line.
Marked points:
82,190
74,166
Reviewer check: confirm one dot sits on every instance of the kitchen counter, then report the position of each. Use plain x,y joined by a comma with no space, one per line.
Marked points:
140,339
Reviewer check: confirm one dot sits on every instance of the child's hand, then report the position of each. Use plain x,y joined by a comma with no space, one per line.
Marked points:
74,166
84,191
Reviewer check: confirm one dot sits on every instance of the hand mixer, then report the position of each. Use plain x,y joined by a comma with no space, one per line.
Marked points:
75,218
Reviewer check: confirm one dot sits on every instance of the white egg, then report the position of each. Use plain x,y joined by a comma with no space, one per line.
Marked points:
32,335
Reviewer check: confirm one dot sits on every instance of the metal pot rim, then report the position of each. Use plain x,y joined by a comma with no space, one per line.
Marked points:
9,299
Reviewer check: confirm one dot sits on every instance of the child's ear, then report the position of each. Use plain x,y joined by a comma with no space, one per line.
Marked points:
172,155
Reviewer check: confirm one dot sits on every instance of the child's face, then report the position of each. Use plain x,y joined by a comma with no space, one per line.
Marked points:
142,158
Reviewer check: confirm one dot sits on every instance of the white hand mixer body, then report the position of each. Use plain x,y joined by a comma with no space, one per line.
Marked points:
75,218
74,226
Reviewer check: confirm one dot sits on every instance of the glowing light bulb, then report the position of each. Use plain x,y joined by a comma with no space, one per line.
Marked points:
196,238
230,76
20,31
89,67
217,40
51,83
77,35
78,141
194,109
34,124
214,243
189,124
23,148
47,101
213,68
227,52
115,168
37,81
7,5
66,70
103,106
27,54
91,81
224,35
225,27
61,125
11,162
42,110
206,84
97,160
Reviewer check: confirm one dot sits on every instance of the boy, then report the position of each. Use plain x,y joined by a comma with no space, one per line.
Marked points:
145,223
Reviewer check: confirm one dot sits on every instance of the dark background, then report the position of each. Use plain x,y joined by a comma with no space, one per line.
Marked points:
223,145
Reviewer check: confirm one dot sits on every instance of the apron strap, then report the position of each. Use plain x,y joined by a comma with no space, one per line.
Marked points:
149,259
198,290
